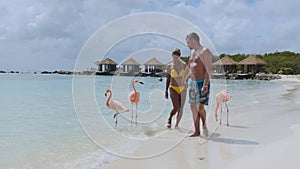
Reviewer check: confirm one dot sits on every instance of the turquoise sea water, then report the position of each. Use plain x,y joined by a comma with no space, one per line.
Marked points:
41,127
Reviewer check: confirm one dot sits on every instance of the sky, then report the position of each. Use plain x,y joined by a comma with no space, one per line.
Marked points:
39,35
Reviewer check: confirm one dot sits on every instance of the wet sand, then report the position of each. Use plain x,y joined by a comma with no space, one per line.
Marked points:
263,136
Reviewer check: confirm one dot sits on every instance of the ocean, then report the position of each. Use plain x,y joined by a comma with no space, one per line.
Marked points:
61,121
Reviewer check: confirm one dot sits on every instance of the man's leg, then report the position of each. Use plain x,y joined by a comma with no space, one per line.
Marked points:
196,118
202,113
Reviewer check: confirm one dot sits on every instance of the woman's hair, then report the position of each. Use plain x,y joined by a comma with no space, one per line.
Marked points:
176,51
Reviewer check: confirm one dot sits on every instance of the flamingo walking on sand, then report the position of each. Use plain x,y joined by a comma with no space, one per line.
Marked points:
222,97
134,98
115,105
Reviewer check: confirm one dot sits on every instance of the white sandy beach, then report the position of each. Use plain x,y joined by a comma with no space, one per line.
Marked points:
264,136
289,78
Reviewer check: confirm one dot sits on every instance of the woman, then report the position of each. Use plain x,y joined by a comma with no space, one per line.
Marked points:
175,73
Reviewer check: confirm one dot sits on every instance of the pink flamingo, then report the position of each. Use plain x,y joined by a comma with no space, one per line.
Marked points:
134,98
115,105
222,96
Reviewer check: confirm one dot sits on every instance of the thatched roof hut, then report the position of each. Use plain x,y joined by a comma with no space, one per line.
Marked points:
252,60
131,65
226,60
107,61
107,65
153,61
153,65
131,62
253,64
225,64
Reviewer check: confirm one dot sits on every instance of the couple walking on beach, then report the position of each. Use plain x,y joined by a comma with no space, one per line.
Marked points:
198,71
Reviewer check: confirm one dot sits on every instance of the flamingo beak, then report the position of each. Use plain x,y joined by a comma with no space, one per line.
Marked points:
141,82
105,94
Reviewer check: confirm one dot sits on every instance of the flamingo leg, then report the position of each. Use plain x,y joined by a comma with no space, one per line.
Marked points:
216,111
116,123
221,114
136,114
227,114
131,113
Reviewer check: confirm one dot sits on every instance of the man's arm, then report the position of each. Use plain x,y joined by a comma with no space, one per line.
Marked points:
208,67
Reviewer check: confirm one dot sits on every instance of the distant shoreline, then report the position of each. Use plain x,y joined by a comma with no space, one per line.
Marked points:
236,76
64,72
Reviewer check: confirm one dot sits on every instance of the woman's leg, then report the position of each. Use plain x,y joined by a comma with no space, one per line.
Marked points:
175,101
181,106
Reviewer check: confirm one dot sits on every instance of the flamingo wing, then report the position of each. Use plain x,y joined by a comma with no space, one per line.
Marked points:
219,97
134,97
223,96
118,106
131,96
227,97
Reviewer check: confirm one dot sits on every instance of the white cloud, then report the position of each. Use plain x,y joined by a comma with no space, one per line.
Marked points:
41,34
239,27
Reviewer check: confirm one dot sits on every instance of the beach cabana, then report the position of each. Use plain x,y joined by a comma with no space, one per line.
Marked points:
153,65
225,64
252,63
107,65
131,66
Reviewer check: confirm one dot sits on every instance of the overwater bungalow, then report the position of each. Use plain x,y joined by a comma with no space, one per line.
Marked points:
224,67
107,67
153,66
252,65
130,67
225,64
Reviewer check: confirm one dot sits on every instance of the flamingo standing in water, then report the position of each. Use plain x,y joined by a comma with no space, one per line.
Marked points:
134,98
115,105
222,97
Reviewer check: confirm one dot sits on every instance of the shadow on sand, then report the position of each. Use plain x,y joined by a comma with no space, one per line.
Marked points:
216,138
237,126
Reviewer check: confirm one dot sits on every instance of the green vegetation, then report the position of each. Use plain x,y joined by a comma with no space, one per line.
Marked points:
279,62
237,57
283,62
185,58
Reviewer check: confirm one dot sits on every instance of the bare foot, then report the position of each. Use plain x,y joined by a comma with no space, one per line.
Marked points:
205,132
169,125
196,134
176,126
216,116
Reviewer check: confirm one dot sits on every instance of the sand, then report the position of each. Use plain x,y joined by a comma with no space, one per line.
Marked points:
257,138
289,78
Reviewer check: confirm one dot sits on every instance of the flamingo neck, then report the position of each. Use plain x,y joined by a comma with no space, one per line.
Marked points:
108,100
133,87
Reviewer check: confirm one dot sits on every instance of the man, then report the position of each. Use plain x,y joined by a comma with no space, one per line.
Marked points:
198,70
